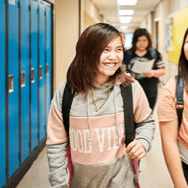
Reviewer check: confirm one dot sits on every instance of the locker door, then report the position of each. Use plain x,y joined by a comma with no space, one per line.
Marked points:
34,74
13,66
24,80
48,58
2,96
42,69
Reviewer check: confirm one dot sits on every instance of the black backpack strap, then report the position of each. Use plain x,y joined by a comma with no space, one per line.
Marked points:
179,98
153,53
66,106
128,57
128,113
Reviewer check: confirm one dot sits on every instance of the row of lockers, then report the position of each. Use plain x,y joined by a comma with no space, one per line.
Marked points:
25,81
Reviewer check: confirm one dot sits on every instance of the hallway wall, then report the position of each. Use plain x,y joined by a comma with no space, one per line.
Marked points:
66,30
166,9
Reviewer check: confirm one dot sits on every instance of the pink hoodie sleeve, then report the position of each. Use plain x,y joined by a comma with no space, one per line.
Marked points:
56,133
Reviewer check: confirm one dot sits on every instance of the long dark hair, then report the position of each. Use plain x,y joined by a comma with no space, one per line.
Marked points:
139,33
82,71
183,63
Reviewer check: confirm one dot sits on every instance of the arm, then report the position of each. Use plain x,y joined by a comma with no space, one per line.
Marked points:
168,123
57,142
145,125
138,148
155,73
57,160
169,133
57,150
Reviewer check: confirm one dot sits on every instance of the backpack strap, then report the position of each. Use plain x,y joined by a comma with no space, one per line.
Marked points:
128,113
128,57
66,106
179,99
153,53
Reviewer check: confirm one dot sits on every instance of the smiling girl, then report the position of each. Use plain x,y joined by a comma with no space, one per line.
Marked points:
100,158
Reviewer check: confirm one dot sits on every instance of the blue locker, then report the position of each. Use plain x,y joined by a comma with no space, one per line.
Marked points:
24,80
2,96
42,69
13,64
48,58
34,74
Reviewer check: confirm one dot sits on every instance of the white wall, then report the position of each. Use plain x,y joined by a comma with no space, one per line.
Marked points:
66,29
147,23
88,7
92,10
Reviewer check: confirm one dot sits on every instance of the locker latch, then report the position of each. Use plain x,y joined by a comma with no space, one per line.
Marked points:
47,69
11,83
32,75
23,79
40,72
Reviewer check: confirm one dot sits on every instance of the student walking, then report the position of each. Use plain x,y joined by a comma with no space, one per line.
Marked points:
141,53
174,134
100,157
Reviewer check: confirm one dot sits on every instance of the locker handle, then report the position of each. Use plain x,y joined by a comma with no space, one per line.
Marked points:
23,79
47,69
11,83
32,75
40,72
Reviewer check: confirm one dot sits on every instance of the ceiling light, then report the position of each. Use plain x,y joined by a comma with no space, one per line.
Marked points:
126,12
123,28
126,19
127,2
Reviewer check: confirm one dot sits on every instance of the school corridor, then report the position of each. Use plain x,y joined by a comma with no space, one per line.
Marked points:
37,45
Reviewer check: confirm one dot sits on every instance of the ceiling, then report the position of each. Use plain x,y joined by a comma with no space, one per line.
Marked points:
110,9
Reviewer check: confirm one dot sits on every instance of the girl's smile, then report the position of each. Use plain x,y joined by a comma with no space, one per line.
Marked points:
110,60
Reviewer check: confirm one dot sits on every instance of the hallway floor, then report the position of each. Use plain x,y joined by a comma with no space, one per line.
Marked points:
153,168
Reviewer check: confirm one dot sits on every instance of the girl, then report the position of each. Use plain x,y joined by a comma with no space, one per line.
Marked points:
99,155
174,140
140,53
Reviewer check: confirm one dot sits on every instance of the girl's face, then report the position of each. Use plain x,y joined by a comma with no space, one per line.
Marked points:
186,48
142,43
110,60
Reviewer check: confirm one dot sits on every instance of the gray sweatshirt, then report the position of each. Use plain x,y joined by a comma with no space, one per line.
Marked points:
98,151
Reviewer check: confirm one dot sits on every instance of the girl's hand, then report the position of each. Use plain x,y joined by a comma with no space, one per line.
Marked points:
125,78
149,74
135,150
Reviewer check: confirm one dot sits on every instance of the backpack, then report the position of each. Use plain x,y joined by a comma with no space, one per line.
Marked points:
179,99
130,125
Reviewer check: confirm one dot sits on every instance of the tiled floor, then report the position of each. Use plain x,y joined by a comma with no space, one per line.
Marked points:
37,176
153,173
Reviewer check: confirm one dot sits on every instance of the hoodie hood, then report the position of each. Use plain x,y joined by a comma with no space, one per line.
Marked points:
117,83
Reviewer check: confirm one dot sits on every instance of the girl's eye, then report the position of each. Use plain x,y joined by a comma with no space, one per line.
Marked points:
106,49
119,49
